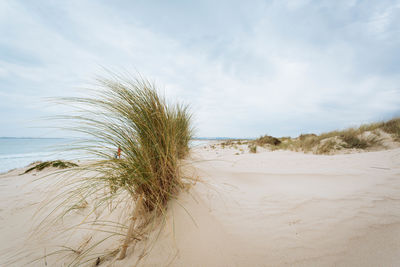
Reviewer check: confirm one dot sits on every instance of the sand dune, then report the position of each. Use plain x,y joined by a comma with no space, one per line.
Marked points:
276,208
288,209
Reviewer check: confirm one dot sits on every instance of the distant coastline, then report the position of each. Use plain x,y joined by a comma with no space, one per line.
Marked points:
222,138
195,138
10,137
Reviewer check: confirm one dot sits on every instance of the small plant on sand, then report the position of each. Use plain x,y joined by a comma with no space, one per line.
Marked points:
326,147
306,136
267,140
306,142
227,143
392,127
55,164
152,136
351,140
253,148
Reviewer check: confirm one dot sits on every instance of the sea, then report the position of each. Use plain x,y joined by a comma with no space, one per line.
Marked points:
20,152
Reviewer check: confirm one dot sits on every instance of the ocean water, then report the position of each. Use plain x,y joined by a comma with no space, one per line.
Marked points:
20,152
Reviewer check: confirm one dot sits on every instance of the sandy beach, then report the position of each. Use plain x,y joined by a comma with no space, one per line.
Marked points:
200,133
277,208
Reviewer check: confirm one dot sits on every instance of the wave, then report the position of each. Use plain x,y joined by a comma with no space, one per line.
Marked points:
26,155
9,161
12,161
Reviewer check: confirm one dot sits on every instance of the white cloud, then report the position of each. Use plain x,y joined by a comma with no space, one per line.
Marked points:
283,71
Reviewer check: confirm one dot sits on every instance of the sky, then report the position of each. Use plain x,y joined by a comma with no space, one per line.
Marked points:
246,68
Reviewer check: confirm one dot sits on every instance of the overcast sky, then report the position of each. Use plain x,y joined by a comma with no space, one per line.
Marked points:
247,68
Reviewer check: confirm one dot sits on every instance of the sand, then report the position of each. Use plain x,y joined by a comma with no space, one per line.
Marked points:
278,208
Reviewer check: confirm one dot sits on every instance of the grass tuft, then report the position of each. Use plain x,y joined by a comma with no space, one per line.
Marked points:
364,137
253,148
267,140
326,147
152,135
129,115
392,127
55,164
352,140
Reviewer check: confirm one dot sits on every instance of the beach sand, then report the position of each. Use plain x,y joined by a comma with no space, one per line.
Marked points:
278,208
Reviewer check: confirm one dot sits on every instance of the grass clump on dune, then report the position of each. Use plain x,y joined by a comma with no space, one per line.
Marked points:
55,164
364,137
335,140
352,140
267,140
153,135
392,127
252,148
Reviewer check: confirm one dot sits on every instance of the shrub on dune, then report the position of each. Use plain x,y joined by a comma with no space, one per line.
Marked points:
253,148
153,136
352,140
267,140
55,164
392,127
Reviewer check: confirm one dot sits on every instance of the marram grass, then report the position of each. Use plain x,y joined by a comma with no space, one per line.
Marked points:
364,137
60,164
129,115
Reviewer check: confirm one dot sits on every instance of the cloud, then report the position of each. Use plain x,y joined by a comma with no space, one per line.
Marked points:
277,67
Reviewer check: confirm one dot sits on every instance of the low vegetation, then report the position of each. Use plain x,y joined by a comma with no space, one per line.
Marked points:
367,136
55,164
153,136
253,148
392,127
267,140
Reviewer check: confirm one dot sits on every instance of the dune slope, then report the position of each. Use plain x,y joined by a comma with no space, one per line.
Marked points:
285,209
